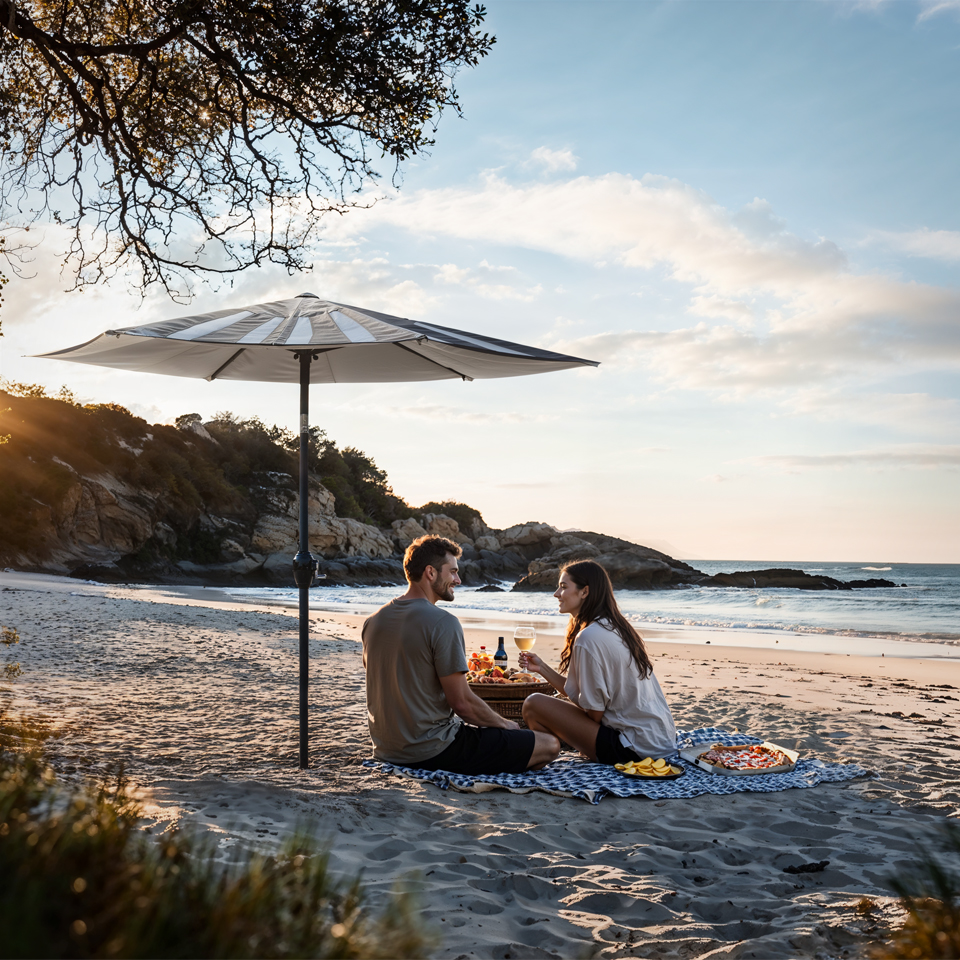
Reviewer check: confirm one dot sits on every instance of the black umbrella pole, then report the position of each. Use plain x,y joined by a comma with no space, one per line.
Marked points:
304,564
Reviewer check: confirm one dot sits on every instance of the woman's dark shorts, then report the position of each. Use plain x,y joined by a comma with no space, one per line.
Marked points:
610,750
484,750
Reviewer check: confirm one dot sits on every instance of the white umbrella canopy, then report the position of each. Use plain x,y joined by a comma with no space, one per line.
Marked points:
349,345
310,340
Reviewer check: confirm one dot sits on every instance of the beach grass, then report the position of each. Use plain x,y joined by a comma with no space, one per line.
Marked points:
930,894
81,879
9,637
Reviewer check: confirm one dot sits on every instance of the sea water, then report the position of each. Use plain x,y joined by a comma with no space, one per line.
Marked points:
923,611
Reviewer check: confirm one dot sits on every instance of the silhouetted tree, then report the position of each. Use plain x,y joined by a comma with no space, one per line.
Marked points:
211,135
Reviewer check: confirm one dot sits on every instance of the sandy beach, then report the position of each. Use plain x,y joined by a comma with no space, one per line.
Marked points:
195,693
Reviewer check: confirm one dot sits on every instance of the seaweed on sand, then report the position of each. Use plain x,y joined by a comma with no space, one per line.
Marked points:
81,879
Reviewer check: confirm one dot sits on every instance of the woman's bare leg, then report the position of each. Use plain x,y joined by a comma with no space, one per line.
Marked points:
564,720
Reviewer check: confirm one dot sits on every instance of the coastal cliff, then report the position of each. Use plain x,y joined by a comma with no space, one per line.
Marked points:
95,492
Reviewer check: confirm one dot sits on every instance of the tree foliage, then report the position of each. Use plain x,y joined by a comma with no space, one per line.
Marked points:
360,488
464,514
210,135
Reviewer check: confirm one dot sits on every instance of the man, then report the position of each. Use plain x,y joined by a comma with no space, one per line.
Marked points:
417,691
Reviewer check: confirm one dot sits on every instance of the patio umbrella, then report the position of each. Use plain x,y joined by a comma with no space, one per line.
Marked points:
310,340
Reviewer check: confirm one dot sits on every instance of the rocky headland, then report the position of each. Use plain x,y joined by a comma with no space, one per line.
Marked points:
97,493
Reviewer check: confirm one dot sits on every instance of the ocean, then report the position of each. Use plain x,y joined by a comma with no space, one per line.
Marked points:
919,618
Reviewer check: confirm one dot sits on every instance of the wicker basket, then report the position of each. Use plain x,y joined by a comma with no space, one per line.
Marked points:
509,691
508,709
512,709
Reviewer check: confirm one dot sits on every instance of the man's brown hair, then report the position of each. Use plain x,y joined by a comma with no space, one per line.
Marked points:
429,551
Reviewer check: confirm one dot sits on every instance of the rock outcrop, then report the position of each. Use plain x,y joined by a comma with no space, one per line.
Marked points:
630,565
406,531
277,531
793,579
96,520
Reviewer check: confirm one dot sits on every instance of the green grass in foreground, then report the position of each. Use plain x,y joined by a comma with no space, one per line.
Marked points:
81,879
930,893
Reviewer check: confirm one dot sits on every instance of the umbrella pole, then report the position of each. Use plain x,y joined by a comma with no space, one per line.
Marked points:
304,563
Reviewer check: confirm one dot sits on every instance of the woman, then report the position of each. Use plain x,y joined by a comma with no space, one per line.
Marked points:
616,711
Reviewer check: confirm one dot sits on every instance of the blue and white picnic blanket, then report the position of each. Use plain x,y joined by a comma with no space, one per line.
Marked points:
594,781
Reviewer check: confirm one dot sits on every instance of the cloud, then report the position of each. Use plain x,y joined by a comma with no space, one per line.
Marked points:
930,8
908,455
483,280
818,320
446,414
553,161
715,306
914,411
641,223
538,485
932,244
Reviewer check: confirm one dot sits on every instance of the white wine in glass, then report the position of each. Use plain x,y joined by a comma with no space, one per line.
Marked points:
525,637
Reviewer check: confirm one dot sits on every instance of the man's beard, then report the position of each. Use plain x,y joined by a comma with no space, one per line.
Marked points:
444,591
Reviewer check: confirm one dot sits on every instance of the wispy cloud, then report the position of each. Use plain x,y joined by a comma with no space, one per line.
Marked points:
932,244
930,8
448,414
553,161
487,281
538,485
716,306
908,455
919,412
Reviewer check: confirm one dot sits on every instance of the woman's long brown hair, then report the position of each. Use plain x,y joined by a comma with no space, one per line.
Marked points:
600,604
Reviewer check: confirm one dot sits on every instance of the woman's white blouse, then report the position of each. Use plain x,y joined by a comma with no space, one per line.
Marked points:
604,676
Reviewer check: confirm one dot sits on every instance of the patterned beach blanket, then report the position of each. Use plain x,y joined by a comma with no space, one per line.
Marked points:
594,781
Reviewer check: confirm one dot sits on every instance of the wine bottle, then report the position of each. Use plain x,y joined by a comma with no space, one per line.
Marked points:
500,658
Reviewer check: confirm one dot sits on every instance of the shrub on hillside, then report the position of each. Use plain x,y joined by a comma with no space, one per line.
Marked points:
460,512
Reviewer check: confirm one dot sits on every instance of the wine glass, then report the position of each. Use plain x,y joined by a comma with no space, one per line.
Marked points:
525,637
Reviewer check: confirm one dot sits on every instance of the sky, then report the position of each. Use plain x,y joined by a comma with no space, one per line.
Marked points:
747,212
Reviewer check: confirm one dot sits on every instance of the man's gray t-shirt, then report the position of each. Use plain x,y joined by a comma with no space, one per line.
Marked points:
407,646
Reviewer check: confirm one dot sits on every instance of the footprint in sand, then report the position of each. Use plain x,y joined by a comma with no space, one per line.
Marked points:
522,885
485,908
389,850
625,909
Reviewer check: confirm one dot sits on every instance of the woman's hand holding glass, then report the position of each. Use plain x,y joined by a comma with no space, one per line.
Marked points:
530,662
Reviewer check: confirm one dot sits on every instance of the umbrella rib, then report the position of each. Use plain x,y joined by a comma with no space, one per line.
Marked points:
216,373
462,376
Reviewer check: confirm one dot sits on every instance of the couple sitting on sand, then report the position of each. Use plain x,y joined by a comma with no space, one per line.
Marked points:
423,714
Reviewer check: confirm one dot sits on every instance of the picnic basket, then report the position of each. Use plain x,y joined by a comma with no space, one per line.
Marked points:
509,691
507,698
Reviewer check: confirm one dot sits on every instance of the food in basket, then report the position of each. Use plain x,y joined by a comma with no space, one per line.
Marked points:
480,662
744,758
648,767
497,675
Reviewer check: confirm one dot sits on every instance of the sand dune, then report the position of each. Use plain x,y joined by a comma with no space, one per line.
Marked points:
196,695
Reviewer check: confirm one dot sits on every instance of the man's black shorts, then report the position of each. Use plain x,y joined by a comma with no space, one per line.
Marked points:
484,750
609,748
